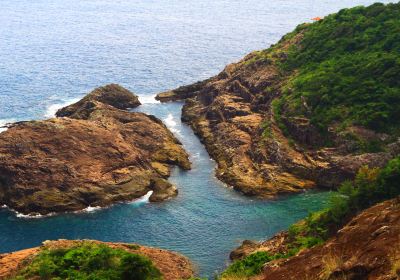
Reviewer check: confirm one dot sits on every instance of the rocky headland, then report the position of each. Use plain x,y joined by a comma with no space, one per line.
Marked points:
270,136
171,265
93,154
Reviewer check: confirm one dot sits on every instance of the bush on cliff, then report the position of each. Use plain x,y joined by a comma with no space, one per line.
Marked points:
371,186
346,70
90,261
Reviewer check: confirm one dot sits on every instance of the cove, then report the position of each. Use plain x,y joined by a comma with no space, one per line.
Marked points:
53,52
205,222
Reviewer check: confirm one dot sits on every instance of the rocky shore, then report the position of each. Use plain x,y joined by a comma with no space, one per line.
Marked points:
93,154
233,114
172,265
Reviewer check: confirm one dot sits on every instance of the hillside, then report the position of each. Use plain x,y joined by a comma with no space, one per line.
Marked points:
356,237
308,111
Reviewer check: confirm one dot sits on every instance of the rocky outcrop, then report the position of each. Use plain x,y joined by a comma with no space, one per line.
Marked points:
181,92
113,94
97,156
258,151
368,247
171,265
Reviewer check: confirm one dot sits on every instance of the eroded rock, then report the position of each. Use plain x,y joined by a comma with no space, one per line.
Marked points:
234,116
98,156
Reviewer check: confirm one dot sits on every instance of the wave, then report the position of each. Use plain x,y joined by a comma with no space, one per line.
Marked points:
148,99
3,124
26,216
90,209
171,123
53,108
143,199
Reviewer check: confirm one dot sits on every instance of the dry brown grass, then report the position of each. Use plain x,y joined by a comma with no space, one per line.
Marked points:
331,262
394,259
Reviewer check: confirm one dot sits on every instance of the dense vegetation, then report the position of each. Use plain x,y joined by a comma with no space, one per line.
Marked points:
371,186
346,70
90,261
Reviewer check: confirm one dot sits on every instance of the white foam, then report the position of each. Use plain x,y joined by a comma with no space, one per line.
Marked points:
26,216
90,209
148,99
171,123
53,108
3,124
143,199
32,216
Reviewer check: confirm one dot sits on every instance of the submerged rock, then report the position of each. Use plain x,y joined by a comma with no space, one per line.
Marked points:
97,156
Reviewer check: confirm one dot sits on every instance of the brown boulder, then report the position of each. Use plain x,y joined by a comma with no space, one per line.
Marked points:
162,190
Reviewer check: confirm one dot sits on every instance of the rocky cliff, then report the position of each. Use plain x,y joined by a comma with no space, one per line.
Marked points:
171,265
368,247
96,156
270,136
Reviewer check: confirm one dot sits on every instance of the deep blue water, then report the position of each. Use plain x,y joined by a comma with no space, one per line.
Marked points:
52,52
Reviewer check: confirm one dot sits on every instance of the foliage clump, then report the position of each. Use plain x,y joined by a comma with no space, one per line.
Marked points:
89,261
346,70
250,265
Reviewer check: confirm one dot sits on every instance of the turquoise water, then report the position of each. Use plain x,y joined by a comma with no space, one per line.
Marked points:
52,52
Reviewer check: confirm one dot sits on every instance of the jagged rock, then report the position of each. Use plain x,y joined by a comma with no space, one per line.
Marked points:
368,247
234,116
112,94
98,156
162,190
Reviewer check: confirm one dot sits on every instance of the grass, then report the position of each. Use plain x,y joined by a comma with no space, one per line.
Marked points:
89,261
395,261
331,263
249,266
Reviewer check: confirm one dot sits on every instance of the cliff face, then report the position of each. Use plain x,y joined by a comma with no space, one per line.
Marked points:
97,156
245,116
171,265
368,247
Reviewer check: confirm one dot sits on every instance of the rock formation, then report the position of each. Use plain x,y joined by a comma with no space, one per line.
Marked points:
368,247
97,156
171,265
233,114
112,94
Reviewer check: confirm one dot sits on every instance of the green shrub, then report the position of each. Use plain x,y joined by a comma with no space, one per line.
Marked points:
250,265
347,69
90,261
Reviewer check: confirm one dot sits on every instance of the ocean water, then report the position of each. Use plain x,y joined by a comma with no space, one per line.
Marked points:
53,52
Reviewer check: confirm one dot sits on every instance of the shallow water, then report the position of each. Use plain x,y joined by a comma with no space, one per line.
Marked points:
51,53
